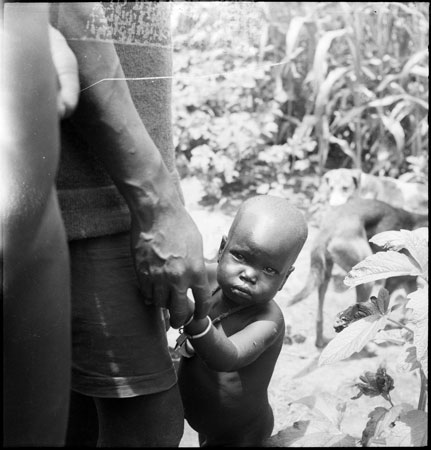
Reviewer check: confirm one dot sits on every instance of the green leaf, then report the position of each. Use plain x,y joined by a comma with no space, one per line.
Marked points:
328,405
407,359
325,440
382,300
382,265
397,131
320,65
292,35
370,428
349,116
418,301
394,336
299,435
413,61
400,428
390,99
352,339
325,89
415,241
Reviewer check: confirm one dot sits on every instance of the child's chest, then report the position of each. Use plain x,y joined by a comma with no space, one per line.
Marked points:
229,319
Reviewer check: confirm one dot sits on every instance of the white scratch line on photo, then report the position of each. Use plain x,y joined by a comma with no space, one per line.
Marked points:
178,77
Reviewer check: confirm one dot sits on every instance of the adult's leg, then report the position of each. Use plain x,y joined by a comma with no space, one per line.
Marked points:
155,420
83,425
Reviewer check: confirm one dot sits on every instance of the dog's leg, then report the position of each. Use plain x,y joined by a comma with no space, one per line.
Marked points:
349,252
321,341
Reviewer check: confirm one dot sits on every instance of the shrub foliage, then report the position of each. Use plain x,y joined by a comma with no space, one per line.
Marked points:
266,91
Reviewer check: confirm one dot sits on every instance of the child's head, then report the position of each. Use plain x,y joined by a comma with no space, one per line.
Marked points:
257,256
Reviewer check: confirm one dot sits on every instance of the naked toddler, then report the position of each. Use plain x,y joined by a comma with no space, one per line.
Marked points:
229,357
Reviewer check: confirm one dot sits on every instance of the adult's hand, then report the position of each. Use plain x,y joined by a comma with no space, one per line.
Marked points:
169,261
66,67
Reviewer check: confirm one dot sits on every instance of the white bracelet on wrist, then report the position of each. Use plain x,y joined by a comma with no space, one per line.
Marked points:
207,329
188,321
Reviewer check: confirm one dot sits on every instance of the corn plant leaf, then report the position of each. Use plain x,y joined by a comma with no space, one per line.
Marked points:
325,88
352,339
344,145
322,48
292,35
390,99
420,71
416,242
413,62
386,81
382,265
401,110
413,10
397,131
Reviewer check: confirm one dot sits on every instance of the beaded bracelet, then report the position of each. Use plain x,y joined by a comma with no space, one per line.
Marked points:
207,329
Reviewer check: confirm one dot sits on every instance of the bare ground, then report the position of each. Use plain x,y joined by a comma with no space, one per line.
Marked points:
296,374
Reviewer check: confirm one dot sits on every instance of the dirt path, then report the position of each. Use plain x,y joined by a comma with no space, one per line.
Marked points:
296,374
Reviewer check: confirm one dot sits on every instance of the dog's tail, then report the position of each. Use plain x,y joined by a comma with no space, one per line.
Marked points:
315,276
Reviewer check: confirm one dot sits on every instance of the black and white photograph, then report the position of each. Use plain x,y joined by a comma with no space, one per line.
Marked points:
214,223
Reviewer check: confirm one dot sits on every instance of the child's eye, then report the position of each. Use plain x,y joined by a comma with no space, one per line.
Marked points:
237,256
270,271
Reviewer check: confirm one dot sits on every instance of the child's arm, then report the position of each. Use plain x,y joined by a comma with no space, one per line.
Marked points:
226,354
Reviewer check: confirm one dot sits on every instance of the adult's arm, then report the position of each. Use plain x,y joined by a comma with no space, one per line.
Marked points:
166,243
36,284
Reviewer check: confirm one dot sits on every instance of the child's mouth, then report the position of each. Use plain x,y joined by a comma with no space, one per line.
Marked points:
241,291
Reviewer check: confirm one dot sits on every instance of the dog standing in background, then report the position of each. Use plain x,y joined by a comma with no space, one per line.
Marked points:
340,185
343,240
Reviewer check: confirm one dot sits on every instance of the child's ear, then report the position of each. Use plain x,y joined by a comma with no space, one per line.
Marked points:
221,248
291,269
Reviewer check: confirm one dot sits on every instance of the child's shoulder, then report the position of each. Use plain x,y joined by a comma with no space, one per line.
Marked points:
270,311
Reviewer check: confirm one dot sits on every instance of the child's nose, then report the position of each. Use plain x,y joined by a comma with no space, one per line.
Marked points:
249,275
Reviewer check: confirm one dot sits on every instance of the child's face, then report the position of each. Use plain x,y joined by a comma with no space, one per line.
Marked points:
253,265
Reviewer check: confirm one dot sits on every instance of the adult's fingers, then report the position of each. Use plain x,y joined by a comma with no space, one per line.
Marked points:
181,308
146,286
202,295
161,293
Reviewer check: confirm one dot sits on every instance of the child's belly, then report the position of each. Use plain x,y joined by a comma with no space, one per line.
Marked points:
218,402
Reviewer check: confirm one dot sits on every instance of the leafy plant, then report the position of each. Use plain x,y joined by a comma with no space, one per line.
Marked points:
266,91
362,73
317,423
406,254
